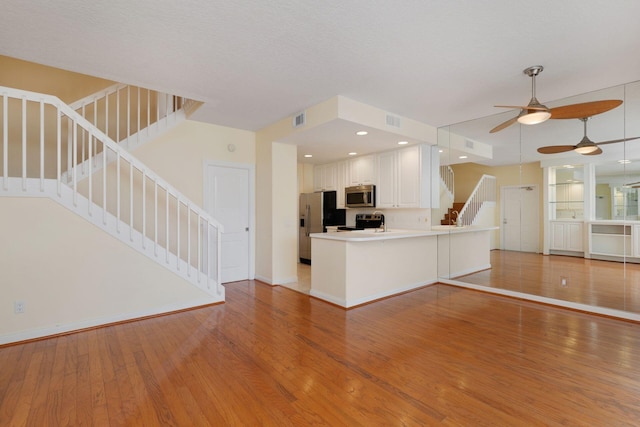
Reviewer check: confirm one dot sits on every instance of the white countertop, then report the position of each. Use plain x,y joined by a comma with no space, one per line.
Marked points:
395,233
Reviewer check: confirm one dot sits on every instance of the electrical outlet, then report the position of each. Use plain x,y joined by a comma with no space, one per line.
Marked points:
563,281
18,306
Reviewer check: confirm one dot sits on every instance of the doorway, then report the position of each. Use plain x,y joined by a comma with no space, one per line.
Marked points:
228,197
520,218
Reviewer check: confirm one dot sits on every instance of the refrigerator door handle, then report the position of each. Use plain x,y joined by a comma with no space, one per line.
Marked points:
307,222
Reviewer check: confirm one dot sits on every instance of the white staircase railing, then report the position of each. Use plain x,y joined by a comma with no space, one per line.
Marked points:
447,179
484,192
128,115
42,137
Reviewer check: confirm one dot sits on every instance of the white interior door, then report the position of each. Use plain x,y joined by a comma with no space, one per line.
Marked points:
228,202
520,218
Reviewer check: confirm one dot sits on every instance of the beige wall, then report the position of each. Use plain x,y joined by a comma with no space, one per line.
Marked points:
467,176
66,85
71,274
178,156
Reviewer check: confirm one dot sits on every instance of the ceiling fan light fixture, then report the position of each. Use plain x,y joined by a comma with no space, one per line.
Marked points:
534,117
586,149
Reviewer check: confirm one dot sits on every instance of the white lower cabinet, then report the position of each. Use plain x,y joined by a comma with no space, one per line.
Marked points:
566,236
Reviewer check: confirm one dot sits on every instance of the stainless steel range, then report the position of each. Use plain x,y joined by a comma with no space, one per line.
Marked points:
364,221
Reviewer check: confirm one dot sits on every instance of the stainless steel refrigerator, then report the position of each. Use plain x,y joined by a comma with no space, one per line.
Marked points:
317,211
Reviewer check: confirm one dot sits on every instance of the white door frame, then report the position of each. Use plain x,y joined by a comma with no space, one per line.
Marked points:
251,168
502,202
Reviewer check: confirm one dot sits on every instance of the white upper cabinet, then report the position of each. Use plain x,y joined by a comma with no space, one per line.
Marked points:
404,179
325,177
362,170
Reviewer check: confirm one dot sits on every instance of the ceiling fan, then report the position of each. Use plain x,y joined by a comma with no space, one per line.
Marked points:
585,146
535,112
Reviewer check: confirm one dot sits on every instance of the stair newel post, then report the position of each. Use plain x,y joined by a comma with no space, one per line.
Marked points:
106,114
131,201
128,115
105,152
155,216
208,254
41,144
144,207
74,143
5,141
166,222
188,239
199,242
138,128
117,138
90,173
58,152
117,191
148,110
178,233
24,143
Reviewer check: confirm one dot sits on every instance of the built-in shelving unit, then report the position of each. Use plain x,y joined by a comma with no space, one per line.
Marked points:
610,239
566,193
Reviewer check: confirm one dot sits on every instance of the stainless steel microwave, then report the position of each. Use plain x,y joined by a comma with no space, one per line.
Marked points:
360,196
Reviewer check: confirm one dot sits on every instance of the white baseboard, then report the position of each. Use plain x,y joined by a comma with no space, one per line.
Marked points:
263,279
369,298
106,320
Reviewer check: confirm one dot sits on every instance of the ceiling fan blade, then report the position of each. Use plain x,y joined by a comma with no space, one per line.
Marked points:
504,125
593,153
528,107
553,149
585,109
617,140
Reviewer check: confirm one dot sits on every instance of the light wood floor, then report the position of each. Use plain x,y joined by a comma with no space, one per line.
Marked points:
439,355
607,284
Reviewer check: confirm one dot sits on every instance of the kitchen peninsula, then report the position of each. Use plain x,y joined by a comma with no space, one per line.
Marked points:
353,268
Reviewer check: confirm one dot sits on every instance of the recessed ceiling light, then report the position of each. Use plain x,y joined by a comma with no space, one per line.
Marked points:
624,161
361,132
440,151
462,157
568,166
308,155
352,153
403,142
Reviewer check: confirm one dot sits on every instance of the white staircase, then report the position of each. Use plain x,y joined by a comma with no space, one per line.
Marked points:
484,194
53,150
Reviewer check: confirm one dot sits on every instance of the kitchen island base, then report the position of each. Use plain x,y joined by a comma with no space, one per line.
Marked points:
350,273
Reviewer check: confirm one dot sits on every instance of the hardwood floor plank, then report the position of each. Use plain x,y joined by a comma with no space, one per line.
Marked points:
439,355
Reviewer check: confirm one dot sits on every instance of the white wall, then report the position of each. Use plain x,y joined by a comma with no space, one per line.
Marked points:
72,275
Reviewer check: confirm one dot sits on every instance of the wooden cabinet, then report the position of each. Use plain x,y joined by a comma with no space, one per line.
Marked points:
362,170
404,178
566,236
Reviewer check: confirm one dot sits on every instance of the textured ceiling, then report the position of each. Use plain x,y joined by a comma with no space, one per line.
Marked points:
254,62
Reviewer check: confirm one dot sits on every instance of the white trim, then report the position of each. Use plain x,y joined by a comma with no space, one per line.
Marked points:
468,271
264,280
369,298
251,168
288,280
546,300
105,320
